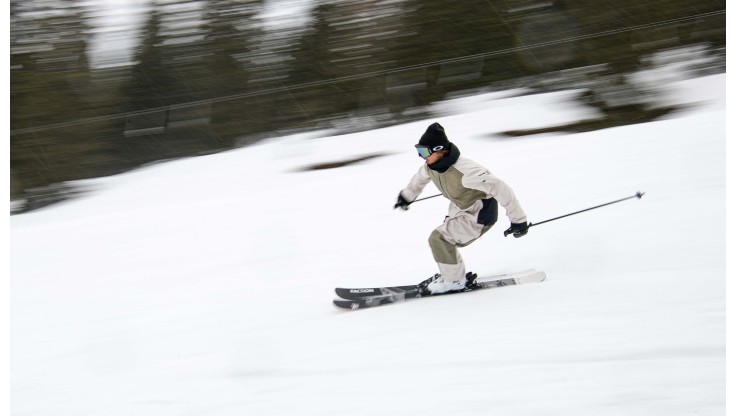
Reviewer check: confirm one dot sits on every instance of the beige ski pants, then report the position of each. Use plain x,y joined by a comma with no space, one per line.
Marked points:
460,228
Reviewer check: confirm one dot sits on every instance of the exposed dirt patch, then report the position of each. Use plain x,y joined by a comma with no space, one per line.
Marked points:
341,163
619,117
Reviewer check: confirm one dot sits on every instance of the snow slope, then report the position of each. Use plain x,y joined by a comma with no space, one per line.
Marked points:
204,286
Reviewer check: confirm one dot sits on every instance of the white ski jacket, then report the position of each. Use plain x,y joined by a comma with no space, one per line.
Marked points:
465,183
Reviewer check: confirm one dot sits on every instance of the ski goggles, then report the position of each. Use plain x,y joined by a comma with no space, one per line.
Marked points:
425,151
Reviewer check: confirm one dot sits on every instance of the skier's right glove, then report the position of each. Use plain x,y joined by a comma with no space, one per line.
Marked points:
518,230
401,203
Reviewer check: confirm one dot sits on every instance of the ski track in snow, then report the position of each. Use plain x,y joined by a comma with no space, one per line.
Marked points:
204,285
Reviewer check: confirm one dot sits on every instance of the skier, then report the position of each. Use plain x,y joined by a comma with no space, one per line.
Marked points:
474,194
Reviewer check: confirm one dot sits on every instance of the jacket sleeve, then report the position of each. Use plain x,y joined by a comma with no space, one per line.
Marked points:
485,181
416,185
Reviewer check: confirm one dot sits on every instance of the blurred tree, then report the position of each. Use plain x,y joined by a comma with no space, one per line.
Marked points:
169,75
312,64
436,32
191,60
622,50
151,84
230,33
345,50
50,83
441,31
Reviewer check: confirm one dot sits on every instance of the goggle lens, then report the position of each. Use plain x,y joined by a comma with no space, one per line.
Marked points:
423,151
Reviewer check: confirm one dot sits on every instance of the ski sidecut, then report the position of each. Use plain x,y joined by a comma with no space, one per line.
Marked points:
359,293
390,295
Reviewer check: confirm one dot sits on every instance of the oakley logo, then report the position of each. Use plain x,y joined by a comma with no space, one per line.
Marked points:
437,148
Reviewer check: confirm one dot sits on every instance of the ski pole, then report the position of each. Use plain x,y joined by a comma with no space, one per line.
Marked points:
426,197
638,195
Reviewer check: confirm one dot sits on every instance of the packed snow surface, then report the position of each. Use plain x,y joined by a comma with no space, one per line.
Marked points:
204,286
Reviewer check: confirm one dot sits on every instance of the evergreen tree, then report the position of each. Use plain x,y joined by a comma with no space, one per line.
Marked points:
456,32
151,81
50,84
230,34
168,76
348,47
311,64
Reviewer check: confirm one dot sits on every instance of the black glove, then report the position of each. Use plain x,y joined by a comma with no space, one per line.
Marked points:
401,203
518,230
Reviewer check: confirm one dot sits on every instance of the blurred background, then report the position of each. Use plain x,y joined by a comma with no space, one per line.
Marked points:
98,87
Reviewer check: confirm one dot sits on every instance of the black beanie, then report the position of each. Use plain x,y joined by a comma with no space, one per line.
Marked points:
434,136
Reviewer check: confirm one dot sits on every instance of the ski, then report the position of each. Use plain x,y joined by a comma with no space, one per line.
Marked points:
396,296
358,293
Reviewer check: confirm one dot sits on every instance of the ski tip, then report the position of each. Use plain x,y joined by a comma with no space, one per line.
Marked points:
353,294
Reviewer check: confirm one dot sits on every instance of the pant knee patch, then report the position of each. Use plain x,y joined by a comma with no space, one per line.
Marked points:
442,250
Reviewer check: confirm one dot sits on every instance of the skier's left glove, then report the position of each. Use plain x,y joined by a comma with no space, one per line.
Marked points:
518,230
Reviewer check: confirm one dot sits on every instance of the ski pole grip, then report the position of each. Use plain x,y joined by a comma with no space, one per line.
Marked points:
508,232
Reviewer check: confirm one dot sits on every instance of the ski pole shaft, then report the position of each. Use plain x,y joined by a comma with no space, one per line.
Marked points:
426,197
638,195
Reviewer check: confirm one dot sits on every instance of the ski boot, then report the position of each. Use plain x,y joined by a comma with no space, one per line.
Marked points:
436,285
